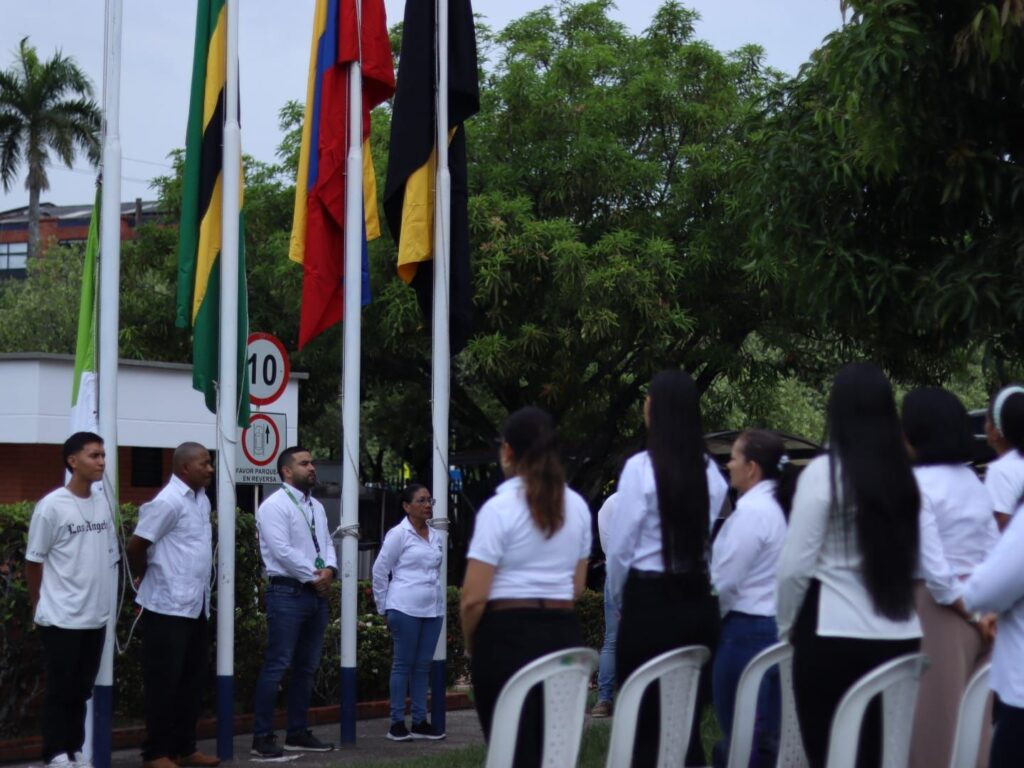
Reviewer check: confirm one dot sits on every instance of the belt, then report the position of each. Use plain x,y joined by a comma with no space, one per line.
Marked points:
542,603
288,581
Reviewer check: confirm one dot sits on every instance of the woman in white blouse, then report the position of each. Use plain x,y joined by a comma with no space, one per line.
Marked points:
846,574
1004,430
413,601
526,566
957,532
657,560
998,585
744,561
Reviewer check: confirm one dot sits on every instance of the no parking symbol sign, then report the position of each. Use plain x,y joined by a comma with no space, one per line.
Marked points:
262,442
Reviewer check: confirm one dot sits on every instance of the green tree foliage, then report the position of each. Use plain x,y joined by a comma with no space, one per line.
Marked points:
883,196
45,107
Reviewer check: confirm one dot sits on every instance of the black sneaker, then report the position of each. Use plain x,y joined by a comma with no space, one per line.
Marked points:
398,732
266,746
305,741
425,730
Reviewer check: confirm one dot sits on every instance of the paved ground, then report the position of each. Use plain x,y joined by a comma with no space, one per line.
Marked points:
371,746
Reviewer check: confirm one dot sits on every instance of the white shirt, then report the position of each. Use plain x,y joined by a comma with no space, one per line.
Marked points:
957,527
998,585
526,563
286,541
817,547
180,560
604,521
1004,479
414,564
635,542
74,540
746,553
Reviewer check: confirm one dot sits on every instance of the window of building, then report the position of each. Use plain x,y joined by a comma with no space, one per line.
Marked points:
147,467
13,260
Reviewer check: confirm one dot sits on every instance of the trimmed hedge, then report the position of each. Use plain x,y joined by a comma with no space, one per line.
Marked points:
21,661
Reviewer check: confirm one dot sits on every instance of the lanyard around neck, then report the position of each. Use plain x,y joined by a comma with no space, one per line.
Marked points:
312,523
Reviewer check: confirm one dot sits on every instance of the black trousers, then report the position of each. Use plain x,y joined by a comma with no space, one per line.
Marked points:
1008,736
506,641
175,653
824,668
660,613
72,658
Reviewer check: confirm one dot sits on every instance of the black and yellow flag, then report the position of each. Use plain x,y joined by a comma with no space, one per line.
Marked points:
412,159
199,243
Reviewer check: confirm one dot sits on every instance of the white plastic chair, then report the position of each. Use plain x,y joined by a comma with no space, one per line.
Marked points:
897,681
970,720
677,673
791,746
565,676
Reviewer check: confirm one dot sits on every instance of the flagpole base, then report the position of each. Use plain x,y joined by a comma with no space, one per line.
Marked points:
225,717
439,698
348,705
102,725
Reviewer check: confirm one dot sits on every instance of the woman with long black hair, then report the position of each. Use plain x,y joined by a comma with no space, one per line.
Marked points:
846,573
527,565
658,550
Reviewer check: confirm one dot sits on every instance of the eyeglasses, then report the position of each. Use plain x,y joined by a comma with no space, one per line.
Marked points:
429,502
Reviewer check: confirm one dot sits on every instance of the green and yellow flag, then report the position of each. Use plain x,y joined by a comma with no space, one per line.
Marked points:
198,302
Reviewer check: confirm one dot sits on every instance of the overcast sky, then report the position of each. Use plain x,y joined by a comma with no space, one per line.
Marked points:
274,55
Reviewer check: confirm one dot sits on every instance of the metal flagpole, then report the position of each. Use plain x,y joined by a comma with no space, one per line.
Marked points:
350,394
441,352
227,394
109,319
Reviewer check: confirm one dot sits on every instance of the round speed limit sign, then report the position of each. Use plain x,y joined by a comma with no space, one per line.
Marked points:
266,367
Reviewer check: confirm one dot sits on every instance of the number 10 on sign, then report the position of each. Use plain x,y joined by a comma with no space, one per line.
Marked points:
266,367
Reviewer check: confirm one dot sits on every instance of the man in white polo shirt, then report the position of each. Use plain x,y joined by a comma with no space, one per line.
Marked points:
70,552
301,565
171,557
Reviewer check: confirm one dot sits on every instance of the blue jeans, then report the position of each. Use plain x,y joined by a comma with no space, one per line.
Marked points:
743,637
296,620
606,669
415,639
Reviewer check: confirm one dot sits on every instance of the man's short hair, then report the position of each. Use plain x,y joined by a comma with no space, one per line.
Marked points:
76,443
285,459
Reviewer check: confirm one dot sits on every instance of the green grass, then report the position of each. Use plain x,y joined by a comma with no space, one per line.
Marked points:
593,751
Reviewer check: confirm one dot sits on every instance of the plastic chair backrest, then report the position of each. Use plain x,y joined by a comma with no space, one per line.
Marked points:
741,743
565,676
970,720
897,681
677,673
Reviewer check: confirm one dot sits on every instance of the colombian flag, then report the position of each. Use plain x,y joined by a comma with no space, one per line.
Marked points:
318,227
199,236
412,161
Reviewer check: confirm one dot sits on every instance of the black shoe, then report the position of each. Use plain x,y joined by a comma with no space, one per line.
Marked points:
266,746
398,732
425,730
305,741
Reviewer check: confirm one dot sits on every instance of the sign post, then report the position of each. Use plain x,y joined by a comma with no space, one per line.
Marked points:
268,370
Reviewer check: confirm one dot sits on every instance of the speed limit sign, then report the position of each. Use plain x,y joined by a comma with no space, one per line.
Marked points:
266,367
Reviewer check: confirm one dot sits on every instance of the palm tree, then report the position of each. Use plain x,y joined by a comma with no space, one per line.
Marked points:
44,107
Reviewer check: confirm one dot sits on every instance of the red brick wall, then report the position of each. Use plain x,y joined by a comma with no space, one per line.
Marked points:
29,472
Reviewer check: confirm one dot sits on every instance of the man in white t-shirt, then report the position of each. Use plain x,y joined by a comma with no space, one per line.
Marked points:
171,557
69,556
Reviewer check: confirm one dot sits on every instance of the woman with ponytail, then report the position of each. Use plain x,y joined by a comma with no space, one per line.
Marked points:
1004,430
744,561
846,573
657,557
527,565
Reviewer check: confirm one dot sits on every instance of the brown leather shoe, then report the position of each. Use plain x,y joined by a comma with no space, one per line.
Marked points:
160,762
197,760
